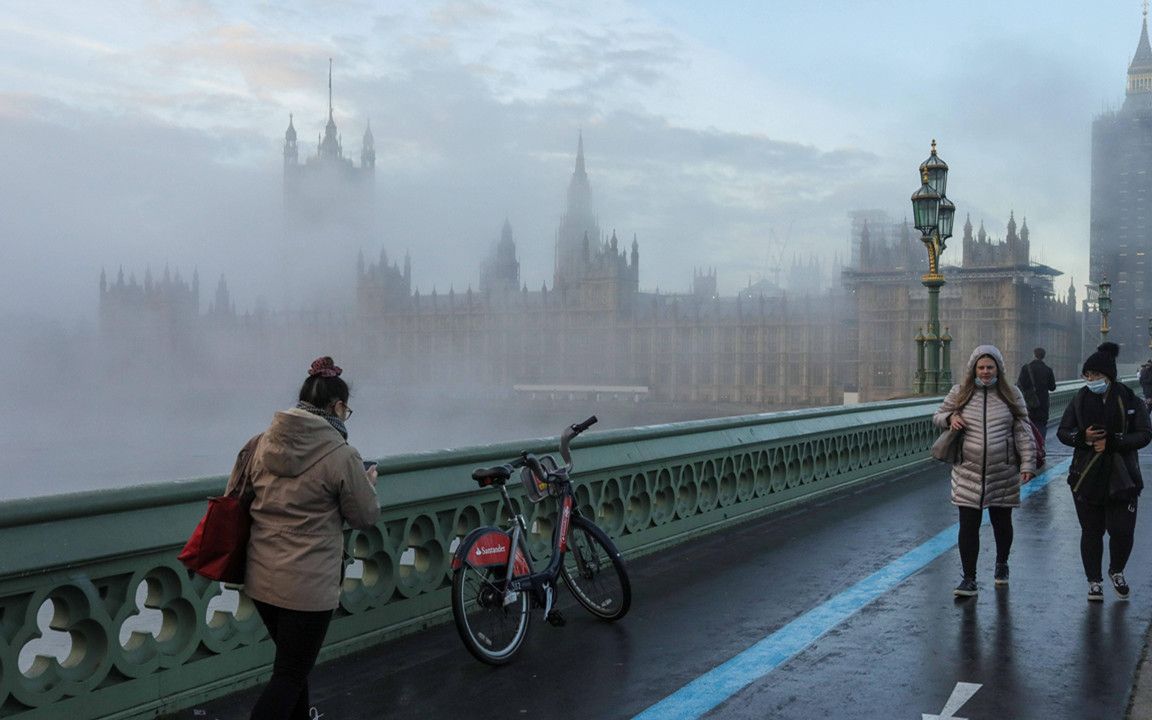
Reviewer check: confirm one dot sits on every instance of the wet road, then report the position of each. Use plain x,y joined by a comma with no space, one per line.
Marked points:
715,625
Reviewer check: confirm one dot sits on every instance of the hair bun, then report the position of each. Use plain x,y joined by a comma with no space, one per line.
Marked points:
1110,348
324,367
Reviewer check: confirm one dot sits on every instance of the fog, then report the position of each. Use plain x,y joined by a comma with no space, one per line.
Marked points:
149,136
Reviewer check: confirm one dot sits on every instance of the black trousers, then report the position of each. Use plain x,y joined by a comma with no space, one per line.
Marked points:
969,536
1119,520
298,635
1039,417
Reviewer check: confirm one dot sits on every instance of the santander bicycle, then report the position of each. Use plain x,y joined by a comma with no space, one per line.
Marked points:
495,585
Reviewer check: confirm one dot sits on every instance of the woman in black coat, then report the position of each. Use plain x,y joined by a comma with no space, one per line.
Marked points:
1107,425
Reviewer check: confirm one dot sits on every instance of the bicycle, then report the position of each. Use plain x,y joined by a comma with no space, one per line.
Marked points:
494,583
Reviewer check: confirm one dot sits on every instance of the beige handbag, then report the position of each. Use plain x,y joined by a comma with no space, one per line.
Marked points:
948,446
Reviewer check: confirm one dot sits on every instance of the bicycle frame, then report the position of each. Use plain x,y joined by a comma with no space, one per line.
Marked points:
494,583
492,546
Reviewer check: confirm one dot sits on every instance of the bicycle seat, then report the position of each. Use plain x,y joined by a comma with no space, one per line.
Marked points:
492,476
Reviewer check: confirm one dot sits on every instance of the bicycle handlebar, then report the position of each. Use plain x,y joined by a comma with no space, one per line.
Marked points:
581,427
570,432
500,473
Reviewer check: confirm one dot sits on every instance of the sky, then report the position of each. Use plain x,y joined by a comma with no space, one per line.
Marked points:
147,134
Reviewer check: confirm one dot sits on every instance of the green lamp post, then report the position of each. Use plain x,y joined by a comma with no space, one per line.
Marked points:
934,214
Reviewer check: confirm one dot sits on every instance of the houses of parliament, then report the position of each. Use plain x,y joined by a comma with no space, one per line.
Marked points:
593,332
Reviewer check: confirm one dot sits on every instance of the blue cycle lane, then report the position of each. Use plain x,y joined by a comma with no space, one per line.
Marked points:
894,645
842,609
718,685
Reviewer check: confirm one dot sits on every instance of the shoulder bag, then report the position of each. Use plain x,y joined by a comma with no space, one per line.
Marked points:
1031,397
1121,486
218,547
948,446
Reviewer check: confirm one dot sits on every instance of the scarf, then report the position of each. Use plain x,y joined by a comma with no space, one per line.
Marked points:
1102,411
334,421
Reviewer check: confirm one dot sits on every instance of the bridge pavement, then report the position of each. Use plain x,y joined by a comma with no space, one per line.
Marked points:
689,646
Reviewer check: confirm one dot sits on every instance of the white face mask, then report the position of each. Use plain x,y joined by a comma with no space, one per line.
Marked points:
989,383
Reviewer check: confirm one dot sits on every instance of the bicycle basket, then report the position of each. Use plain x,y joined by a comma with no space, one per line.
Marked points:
538,488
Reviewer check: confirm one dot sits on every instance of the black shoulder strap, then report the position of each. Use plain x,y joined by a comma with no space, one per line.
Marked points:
1031,377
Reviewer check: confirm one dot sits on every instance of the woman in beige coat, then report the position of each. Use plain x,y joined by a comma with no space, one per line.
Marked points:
997,456
308,482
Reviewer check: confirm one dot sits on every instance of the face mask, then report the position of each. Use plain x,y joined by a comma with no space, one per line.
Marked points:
1097,386
989,383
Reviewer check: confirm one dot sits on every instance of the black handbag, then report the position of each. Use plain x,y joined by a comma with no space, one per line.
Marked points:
1120,483
1121,486
948,446
1031,397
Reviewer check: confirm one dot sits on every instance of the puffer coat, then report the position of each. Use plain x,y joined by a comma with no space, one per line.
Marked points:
997,443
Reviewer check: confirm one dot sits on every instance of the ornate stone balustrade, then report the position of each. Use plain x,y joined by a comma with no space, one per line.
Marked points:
98,619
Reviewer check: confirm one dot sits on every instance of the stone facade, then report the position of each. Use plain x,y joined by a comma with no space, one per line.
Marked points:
996,295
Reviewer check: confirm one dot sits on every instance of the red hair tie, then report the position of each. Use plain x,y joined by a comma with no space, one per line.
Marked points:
324,367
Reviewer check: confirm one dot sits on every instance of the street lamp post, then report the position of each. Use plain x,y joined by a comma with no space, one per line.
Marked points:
1105,301
934,213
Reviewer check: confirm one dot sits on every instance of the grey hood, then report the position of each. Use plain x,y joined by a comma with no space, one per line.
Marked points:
295,441
993,352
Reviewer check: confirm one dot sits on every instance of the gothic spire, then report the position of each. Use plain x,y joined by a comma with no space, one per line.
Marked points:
1143,57
368,147
330,145
290,151
1140,70
580,151
579,189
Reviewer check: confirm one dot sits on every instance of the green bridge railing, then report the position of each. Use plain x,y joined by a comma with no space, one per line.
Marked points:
98,619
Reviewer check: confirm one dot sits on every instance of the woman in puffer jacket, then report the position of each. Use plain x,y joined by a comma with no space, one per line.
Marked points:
997,457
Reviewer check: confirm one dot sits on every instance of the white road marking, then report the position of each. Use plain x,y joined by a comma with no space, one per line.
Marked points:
961,694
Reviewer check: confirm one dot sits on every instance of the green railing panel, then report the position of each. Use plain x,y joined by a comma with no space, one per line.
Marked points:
109,624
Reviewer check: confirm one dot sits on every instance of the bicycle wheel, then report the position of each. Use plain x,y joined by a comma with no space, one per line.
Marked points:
594,572
491,630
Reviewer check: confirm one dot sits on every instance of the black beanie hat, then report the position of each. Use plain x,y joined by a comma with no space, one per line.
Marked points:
1103,360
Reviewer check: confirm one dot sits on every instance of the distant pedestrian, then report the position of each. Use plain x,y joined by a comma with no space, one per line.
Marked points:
1146,382
1036,381
308,481
1106,426
997,456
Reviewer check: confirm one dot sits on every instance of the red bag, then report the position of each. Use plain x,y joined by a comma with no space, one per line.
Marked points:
1038,439
218,547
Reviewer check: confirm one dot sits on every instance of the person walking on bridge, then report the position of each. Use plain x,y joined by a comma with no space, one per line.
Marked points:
1106,425
1145,378
997,456
1036,381
308,481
